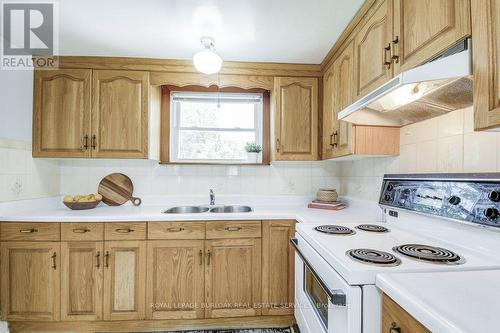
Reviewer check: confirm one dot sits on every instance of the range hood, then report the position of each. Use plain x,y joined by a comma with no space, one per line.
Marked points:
427,91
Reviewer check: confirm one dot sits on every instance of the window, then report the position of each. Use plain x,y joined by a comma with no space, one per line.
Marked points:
213,127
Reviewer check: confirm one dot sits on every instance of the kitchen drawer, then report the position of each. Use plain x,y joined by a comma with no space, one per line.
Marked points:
125,231
234,229
26,231
176,230
82,231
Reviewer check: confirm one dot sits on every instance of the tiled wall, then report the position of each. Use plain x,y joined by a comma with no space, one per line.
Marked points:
281,178
22,177
444,144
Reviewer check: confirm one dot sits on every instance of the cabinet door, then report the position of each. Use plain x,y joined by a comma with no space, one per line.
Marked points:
82,278
120,114
124,280
233,278
176,279
372,49
278,268
296,118
425,28
486,50
396,319
330,123
61,117
30,281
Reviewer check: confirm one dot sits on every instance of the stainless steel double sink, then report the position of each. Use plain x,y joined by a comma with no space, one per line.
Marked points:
209,209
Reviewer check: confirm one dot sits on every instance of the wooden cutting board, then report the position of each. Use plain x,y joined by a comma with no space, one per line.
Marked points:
116,189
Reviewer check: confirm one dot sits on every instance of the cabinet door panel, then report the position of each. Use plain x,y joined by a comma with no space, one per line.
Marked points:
82,278
62,113
124,280
425,28
370,42
296,118
175,279
278,267
233,278
120,114
30,281
330,123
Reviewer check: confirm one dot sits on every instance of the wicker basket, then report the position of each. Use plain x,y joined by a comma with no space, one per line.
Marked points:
327,195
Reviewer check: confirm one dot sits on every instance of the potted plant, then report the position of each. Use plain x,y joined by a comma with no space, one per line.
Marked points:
253,150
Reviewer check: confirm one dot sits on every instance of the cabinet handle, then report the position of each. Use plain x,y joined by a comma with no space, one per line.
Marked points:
124,230
394,328
85,142
387,63
395,55
81,230
232,228
333,139
28,231
201,257
53,257
208,257
277,145
94,142
98,259
106,260
175,229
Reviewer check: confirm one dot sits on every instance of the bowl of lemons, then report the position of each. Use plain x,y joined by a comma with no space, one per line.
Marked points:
82,202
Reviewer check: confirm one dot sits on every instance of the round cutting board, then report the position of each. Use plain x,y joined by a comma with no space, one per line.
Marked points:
116,189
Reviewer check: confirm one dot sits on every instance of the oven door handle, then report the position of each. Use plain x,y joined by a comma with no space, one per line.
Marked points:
337,297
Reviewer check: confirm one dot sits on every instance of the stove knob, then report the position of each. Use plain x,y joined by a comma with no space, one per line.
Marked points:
491,213
454,200
494,196
390,187
387,197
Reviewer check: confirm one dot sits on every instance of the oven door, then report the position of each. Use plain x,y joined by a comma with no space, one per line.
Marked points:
325,303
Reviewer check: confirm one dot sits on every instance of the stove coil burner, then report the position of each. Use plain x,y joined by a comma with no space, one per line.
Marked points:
428,253
374,257
372,228
335,230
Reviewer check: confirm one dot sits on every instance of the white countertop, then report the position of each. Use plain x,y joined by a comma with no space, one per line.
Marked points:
273,208
448,302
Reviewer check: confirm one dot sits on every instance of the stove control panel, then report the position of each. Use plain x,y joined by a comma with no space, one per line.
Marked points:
471,198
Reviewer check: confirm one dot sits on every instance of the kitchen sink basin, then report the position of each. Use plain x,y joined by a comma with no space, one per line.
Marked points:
187,210
231,209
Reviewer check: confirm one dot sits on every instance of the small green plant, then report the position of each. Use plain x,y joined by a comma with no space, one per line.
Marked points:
252,147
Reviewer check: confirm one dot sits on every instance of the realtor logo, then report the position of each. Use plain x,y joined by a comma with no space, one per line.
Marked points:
29,29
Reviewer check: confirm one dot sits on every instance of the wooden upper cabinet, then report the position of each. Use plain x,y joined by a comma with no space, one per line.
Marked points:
30,281
372,45
296,118
233,278
486,60
124,280
425,28
176,280
82,278
278,268
120,114
329,120
61,113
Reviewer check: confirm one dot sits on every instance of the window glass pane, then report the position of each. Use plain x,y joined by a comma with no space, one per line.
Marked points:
213,145
209,115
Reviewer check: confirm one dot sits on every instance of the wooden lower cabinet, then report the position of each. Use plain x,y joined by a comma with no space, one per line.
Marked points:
396,319
233,277
30,281
124,280
81,280
175,279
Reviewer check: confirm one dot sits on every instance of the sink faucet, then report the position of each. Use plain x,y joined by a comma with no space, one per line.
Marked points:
212,197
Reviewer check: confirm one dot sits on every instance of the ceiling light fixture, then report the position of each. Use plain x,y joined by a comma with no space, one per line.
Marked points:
207,61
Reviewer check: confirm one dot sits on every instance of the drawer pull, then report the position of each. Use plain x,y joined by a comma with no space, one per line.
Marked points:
124,230
98,259
81,230
201,257
394,328
28,231
208,257
106,260
232,228
173,229
53,257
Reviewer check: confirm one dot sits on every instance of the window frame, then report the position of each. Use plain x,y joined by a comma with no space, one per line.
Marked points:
167,115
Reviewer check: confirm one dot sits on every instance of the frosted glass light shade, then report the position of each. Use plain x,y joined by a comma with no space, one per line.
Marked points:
207,62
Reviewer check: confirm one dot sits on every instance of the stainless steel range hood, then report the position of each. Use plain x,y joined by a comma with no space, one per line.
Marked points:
424,92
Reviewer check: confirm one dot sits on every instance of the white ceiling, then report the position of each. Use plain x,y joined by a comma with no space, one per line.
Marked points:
291,31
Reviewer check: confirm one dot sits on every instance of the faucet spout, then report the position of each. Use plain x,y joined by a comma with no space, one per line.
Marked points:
212,197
